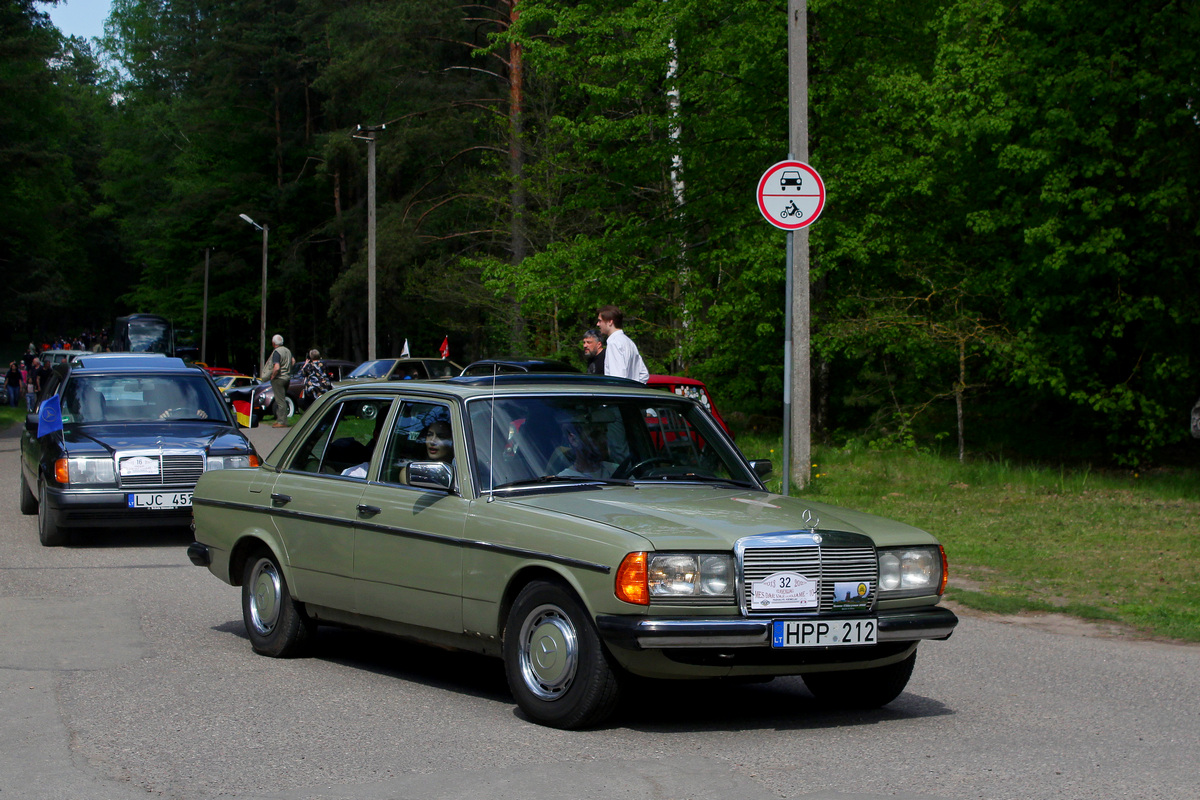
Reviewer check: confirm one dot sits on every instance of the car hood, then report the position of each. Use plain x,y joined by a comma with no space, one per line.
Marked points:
244,392
708,518
356,381
213,436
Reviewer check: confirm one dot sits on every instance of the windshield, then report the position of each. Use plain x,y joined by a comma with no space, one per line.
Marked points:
139,398
373,369
530,441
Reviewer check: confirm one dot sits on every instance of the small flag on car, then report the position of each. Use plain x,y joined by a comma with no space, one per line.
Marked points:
49,416
241,408
445,348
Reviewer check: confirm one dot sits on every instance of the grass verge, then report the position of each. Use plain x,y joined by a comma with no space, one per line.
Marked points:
1120,547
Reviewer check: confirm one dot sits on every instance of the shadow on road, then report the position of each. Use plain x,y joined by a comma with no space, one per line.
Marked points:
690,706
131,538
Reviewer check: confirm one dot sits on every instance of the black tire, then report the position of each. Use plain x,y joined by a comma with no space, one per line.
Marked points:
277,625
557,668
29,503
861,688
49,532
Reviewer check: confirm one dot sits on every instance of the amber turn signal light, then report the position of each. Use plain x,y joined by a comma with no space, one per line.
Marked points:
631,583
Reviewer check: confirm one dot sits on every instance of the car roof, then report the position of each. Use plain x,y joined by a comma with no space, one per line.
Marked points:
523,364
664,380
508,384
131,361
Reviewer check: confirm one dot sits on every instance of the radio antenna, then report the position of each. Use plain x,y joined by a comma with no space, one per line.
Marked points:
492,438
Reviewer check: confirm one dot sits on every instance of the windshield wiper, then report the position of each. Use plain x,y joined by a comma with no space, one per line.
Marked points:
693,477
563,479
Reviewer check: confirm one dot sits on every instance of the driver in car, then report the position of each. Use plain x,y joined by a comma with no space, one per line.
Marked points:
587,447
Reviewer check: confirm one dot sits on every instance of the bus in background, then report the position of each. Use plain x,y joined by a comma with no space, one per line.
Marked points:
143,333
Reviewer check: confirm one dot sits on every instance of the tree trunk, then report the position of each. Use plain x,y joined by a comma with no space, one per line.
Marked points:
959,388
516,166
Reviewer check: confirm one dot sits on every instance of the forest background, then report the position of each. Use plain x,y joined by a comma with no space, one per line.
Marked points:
1007,256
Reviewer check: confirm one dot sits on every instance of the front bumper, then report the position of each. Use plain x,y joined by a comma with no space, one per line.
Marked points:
643,633
110,509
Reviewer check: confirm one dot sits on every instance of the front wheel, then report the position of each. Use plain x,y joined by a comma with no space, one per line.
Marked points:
50,534
861,688
556,665
278,627
291,407
29,503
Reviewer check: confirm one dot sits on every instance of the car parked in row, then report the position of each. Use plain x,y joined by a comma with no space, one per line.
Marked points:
397,369
53,358
583,529
123,440
234,381
677,384
261,395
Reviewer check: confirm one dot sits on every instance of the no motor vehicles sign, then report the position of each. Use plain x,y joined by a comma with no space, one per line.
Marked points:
791,195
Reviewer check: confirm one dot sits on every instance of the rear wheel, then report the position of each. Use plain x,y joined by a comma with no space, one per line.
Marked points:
556,666
277,625
29,503
861,688
49,532
291,406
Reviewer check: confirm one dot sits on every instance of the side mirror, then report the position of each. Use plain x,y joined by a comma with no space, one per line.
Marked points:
762,468
430,475
31,423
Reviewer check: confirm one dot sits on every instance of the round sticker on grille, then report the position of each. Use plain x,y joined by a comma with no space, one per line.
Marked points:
783,590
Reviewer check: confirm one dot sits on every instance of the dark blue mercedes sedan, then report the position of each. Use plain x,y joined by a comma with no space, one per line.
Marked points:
120,440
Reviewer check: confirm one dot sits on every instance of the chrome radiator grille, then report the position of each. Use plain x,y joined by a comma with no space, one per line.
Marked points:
173,470
827,563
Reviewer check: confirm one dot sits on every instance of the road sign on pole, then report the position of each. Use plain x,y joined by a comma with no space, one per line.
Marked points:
791,195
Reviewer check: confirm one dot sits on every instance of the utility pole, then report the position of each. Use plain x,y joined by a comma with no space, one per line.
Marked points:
799,421
204,312
370,131
262,326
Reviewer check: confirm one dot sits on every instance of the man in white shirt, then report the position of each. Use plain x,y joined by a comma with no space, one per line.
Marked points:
621,356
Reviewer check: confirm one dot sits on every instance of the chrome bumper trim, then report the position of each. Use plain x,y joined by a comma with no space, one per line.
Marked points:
640,633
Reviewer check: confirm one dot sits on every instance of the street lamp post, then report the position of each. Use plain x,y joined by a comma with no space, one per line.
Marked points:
370,131
262,328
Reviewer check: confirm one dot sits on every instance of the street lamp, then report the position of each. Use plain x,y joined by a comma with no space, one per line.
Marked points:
262,330
370,131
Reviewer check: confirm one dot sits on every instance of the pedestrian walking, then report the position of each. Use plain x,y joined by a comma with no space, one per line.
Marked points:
621,356
282,363
12,384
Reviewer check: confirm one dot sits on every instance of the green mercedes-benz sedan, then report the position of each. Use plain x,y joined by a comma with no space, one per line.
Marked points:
583,529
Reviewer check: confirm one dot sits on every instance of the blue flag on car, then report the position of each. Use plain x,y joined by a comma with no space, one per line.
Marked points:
49,416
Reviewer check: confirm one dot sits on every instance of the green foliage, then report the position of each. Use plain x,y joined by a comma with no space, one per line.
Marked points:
1009,226
1096,545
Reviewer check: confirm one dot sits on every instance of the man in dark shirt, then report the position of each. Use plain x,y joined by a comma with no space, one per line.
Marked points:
593,351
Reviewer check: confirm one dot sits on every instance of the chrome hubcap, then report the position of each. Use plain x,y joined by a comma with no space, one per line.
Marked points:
266,592
549,652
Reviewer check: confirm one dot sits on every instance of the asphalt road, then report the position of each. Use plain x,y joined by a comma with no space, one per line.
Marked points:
125,673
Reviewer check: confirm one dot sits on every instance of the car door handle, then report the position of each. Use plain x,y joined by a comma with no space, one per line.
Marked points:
368,511
280,499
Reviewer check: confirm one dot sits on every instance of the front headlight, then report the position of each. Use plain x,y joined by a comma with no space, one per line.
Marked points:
912,571
674,576
244,461
85,470
689,575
